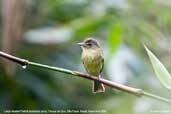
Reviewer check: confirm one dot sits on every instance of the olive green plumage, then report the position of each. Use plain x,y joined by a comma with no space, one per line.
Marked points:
93,61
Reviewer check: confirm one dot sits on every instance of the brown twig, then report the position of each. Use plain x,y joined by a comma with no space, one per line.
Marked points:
134,91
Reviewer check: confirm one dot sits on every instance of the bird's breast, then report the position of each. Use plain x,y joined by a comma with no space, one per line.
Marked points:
92,61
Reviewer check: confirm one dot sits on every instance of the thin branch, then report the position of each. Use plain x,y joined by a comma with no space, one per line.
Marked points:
131,90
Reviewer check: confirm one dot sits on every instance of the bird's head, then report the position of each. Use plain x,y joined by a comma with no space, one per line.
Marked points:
89,43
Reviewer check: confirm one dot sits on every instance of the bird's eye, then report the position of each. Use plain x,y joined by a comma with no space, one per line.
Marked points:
89,44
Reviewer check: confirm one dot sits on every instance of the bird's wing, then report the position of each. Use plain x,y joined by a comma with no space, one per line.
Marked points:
102,64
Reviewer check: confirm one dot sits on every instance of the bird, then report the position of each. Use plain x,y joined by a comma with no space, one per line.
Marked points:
93,61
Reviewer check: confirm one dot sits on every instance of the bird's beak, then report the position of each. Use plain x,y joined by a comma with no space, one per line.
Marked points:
80,44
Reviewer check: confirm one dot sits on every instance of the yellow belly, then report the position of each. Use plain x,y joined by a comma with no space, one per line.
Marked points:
93,63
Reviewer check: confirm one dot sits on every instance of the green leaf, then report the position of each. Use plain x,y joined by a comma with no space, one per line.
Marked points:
115,36
161,72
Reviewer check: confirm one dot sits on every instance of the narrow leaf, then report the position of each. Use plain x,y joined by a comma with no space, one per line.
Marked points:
161,72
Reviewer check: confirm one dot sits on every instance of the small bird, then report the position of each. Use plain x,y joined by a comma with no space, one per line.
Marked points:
93,61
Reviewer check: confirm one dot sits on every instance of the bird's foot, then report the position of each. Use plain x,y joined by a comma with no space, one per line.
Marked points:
89,75
99,78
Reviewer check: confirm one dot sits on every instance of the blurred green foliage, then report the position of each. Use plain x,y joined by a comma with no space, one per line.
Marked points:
115,23
115,37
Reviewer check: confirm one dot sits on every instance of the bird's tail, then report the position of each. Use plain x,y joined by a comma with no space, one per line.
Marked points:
98,87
